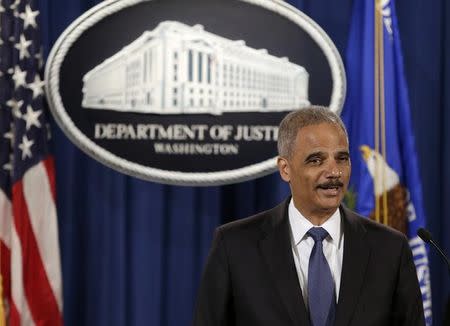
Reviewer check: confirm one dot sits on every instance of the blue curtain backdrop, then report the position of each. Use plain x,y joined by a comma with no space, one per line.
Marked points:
132,251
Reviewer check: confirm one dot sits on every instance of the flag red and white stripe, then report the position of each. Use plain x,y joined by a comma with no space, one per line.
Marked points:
30,249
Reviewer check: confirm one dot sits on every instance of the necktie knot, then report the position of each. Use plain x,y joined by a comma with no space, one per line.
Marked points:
318,233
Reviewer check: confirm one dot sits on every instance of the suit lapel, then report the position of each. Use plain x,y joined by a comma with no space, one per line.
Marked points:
356,255
276,249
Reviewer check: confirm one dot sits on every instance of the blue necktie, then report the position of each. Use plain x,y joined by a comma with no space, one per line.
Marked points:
321,291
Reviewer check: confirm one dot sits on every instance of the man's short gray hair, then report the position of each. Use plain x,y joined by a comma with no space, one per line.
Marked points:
296,120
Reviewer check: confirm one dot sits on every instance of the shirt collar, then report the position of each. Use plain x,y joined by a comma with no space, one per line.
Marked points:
300,225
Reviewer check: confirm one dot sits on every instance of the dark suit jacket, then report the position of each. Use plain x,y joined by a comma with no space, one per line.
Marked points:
250,276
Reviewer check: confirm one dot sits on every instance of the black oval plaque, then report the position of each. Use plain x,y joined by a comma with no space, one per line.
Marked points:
189,92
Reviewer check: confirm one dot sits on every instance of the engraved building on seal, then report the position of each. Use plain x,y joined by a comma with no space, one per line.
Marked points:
181,69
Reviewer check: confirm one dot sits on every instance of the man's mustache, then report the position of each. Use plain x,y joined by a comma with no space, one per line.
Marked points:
331,184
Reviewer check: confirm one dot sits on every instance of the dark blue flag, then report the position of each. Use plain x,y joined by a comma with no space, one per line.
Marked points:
385,182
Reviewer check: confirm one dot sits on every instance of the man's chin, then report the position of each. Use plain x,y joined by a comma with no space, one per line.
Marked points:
331,204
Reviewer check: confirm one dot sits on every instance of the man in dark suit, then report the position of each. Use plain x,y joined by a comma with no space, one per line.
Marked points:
310,261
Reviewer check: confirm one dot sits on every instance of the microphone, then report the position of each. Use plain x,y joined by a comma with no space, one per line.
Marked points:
426,236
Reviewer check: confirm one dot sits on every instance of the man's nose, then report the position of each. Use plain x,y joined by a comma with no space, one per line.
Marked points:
333,171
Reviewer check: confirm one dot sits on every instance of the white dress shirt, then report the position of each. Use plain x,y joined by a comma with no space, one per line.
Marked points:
302,244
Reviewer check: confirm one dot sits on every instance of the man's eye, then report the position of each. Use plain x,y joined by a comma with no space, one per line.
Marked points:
315,161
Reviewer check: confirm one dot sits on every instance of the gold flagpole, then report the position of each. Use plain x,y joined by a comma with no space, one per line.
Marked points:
380,116
376,107
383,119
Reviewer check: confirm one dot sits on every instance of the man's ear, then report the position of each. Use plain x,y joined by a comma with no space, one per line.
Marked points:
283,168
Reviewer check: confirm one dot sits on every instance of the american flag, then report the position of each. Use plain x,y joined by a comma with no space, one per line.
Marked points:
29,252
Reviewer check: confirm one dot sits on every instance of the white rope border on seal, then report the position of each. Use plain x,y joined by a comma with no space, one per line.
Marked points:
109,7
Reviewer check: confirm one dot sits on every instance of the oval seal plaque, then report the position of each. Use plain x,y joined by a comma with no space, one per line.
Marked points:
189,92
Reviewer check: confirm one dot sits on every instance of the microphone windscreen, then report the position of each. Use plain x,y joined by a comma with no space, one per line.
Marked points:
424,234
